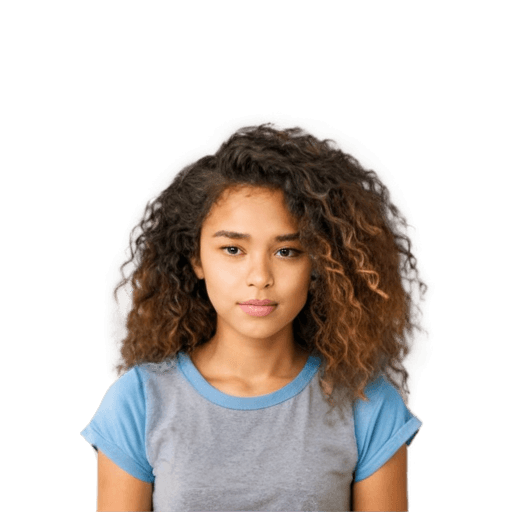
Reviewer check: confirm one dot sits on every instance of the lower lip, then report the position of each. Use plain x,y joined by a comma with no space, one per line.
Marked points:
257,310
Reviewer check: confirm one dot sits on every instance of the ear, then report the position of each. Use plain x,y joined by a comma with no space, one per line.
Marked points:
197,268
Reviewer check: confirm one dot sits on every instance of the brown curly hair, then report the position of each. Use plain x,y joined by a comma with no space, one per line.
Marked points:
357,312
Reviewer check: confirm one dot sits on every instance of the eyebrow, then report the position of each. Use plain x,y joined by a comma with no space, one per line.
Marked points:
233,234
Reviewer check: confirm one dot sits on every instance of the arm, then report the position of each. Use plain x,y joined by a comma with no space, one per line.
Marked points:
118,490
386,489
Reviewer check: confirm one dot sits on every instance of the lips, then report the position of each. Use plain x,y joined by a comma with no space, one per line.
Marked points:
265,302
253,310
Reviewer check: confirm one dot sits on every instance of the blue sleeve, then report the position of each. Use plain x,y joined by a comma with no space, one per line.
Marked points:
382,425
118,427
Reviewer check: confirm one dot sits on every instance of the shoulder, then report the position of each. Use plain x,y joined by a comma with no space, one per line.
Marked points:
382,425
128,388
118,427
380,393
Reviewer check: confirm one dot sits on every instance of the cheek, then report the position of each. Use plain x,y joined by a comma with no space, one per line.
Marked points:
296,284
221,281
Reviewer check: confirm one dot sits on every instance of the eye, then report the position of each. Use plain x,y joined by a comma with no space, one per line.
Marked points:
296,251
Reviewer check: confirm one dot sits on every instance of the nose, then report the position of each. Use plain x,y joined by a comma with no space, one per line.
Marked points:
260,273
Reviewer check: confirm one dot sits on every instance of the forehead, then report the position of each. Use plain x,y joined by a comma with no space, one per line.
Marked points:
250,199
249,209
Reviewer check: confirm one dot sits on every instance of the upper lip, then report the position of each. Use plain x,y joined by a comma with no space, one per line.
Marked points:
264,302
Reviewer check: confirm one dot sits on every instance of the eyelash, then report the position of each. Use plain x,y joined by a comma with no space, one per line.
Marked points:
283,249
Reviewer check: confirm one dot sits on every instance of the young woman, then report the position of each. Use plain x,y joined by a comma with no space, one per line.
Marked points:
268,314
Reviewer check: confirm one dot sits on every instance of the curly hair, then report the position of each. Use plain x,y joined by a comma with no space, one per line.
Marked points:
358,313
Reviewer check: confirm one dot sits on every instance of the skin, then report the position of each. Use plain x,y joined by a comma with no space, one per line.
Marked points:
253,355
247,351
386,489
118,490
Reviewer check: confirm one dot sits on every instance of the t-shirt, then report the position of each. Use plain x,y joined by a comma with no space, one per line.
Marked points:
205,450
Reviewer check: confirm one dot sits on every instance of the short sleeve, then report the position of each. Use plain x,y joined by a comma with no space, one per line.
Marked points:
118,427
382,425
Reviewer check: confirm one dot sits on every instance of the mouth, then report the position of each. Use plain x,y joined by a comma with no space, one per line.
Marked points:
258,303
253,310
273,304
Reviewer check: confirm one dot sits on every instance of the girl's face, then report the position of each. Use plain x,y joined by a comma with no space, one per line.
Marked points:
254,267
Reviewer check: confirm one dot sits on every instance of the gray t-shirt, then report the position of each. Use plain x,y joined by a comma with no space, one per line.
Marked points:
204,450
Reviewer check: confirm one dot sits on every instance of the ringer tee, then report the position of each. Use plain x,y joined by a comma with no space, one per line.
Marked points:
204,450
